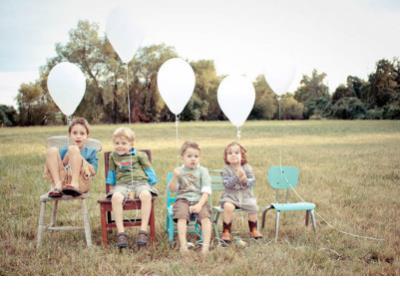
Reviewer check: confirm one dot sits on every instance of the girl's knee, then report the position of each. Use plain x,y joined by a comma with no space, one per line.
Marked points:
52,151
73,149
229,206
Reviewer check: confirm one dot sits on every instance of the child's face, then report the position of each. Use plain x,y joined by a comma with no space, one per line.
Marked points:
122,145
233,155
78,135
191,158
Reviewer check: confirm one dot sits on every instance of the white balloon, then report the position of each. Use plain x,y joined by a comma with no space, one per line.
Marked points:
236,97
176,81
124,34
279,74
66,84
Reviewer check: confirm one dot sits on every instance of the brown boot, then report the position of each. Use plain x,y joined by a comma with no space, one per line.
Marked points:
254,233
226,234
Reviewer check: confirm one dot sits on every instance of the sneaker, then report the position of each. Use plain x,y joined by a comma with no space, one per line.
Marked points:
122,240
142,239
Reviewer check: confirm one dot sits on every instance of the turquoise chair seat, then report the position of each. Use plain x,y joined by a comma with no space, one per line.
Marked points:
285,178
293,206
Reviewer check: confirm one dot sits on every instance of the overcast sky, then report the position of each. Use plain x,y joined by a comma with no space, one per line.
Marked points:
338,37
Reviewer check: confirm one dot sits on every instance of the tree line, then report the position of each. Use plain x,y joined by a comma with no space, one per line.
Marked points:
105,100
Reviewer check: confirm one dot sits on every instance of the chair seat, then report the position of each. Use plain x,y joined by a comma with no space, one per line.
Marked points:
45,197
293,206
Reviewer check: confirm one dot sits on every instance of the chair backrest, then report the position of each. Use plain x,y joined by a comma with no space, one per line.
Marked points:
107,163
283,177
61,141
171,196
216,180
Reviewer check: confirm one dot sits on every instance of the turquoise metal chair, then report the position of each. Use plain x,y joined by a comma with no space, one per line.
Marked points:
283,179
193,228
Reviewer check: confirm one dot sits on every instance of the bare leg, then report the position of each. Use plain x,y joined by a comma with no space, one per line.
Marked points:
145,199
54,163
182,229
206,229
75,161
116,201
229,208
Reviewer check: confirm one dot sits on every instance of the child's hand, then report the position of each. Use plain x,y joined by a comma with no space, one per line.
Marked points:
241,174
195,208
177,172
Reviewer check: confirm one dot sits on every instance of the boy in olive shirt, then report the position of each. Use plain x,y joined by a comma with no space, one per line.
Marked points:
130,176
192,183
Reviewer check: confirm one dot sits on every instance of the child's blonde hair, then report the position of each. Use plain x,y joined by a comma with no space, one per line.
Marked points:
187,145
124,132
79,120
242,153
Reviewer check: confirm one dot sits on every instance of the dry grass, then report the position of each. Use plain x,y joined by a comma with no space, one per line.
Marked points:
351,170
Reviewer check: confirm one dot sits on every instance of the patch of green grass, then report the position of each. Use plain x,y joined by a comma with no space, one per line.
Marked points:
350,169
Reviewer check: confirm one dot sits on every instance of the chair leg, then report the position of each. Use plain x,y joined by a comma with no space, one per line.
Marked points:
41,226
103,213
215,225
171,229
264,214
54,214
307,218
277,225
86,223
152,224
313,221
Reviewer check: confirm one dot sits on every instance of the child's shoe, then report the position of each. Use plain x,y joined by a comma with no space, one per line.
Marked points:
122,240
226,234
142,239
254,233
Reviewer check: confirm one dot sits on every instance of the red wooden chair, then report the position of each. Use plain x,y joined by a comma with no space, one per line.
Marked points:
107,223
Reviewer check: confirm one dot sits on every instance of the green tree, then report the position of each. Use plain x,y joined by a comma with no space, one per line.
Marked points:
384,83
312,87
266,105
349,108
290,108
8,116
34,106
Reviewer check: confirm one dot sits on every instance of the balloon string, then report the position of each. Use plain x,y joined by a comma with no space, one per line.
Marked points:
177,137
129,99
238,132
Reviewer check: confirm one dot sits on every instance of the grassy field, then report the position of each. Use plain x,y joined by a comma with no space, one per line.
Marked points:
350,169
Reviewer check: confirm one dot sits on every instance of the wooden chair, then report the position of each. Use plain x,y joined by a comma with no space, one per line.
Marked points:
60,141
107,223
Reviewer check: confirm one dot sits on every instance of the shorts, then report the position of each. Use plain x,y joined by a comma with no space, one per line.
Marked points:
133,191
181,211
85,179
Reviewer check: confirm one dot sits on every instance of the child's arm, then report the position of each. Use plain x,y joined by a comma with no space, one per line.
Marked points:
230,181
250,178
148,169
197,207
93,161
205,191
173,184
111,178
